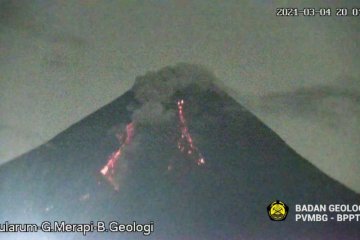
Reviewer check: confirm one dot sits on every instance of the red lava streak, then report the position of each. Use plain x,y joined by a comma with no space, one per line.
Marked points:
185,144
109,170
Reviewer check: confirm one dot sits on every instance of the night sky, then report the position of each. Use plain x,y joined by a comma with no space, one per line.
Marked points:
62,60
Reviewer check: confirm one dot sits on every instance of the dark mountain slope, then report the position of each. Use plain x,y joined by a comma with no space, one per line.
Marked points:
246,167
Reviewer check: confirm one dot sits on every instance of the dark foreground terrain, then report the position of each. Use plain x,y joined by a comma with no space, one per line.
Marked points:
245,167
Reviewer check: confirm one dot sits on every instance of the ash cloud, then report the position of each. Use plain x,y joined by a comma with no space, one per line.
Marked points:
152,112
322,123
161,85
332,103
155,90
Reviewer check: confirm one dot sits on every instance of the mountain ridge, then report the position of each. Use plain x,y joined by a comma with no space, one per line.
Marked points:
246,166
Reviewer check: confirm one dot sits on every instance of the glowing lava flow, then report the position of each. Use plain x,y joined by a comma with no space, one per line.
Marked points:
108,171
185,143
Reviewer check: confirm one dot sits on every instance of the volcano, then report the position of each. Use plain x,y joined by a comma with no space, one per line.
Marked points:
177,151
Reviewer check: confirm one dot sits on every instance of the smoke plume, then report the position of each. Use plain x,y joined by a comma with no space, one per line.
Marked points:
155,90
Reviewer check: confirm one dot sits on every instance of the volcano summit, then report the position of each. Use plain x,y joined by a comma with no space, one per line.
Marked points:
177,151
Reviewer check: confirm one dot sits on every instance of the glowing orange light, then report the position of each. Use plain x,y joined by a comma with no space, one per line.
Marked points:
109,170
201,161
186,141
104,170
185,144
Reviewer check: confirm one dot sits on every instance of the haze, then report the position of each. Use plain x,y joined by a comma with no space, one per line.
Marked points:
62,60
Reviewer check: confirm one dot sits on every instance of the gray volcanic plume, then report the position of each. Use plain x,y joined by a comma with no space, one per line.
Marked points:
160,86
154,90
178,151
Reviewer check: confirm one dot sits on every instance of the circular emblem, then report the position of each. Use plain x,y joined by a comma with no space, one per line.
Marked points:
277,211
